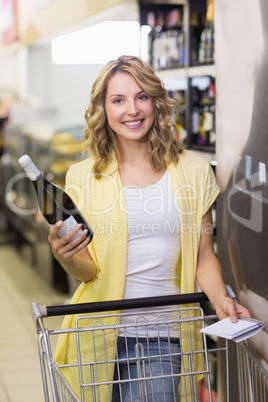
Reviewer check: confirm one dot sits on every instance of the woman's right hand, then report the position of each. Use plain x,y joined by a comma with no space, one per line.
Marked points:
73,255
63,248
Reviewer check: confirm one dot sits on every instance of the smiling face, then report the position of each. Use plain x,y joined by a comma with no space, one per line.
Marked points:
129,109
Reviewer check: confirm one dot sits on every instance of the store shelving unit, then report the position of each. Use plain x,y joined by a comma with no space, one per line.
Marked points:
189,17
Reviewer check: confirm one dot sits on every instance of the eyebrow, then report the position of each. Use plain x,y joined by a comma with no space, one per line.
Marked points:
138,93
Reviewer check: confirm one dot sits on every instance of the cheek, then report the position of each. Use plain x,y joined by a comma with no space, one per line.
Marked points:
150,109
151,113
112,114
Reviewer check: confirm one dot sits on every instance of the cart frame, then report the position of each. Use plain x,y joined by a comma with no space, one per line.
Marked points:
57,389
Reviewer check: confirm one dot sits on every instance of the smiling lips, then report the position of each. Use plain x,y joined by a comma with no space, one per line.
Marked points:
133,124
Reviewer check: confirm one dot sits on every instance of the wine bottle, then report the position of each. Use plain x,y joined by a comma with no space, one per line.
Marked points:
55,204
195,116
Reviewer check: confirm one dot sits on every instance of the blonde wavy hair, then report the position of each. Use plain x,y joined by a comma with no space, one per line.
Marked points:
100,140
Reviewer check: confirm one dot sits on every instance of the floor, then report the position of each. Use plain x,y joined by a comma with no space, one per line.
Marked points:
20,285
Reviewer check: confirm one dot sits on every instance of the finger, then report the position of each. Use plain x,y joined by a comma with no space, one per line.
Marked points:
232,312
66,243
62,241
53,232
69,238
70,250
242,311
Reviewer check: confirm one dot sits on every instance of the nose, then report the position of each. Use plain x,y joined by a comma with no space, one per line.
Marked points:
132,108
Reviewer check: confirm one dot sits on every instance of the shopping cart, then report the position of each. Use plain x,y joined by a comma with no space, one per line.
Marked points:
89,327
253,378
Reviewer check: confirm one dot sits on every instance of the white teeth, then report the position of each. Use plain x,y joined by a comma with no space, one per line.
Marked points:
132,123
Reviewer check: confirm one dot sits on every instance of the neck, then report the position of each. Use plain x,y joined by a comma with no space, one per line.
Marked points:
134,153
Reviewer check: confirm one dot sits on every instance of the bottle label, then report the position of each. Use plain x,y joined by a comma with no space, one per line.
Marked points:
208,121
67,226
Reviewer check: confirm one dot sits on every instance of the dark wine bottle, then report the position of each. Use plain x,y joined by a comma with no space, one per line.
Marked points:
55,204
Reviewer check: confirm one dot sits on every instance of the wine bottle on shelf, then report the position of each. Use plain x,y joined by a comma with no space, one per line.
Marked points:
206,42
159,44
209,115
202,47
194,35
209,55
211,91
201,140
182,51
195,116
54,203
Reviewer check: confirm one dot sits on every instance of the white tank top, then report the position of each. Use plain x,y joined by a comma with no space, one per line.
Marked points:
153,247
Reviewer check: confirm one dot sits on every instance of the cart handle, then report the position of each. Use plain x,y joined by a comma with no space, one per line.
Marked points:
96,307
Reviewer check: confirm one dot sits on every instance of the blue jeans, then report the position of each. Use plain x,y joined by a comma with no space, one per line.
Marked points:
146,359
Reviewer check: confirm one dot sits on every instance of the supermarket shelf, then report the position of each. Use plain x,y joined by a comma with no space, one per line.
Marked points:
176,79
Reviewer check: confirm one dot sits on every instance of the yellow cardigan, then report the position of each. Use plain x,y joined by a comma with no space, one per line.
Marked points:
102,203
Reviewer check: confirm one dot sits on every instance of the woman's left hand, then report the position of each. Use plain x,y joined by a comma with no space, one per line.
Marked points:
226,307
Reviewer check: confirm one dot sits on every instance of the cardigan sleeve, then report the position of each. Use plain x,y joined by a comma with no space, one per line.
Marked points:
197,184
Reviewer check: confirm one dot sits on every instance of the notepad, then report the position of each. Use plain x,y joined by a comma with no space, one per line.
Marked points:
239,331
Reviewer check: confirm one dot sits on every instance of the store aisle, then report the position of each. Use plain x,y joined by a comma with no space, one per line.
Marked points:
20,285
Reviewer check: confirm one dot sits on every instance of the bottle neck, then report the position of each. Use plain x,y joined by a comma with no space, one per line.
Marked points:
33,176
30,169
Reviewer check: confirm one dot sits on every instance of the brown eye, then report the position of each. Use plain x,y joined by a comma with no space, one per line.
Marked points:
143,97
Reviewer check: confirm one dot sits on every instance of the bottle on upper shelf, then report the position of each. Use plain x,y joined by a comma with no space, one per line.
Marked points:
194,34
206,50
167,39
206,45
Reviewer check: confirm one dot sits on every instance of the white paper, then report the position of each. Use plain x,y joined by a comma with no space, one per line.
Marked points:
239,331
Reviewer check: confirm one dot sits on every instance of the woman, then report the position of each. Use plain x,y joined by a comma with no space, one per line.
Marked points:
149,204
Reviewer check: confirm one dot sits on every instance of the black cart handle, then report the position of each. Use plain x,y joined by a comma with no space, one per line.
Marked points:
96,307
